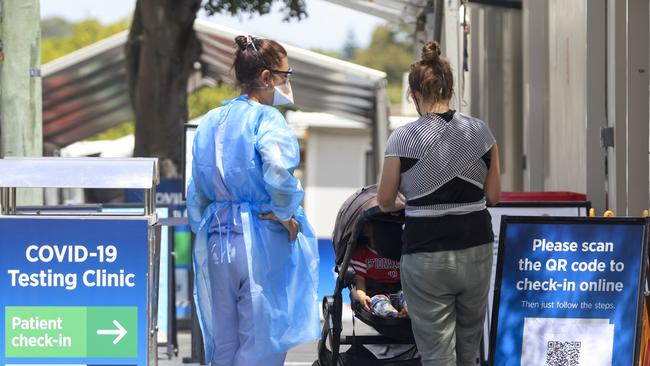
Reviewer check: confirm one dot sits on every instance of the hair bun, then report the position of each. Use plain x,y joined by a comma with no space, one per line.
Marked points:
431,52
242,42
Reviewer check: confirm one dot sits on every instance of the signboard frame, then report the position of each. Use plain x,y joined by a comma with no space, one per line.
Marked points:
171,344
579,206
82,209
570,220
99,173
150,298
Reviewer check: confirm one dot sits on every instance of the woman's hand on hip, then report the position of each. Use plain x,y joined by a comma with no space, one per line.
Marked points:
291,225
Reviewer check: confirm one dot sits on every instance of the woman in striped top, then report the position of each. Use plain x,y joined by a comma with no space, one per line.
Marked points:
446,165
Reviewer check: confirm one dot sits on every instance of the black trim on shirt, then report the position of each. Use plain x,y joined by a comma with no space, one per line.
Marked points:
447,116
406,163
487,158
455,191
449,232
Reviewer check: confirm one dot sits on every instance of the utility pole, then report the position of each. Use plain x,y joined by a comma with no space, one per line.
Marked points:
21,126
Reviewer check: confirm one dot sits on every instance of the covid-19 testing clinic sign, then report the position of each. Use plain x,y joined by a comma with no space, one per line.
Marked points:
73,291
568,291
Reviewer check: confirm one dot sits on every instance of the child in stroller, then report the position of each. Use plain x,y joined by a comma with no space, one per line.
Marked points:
360,223
377,279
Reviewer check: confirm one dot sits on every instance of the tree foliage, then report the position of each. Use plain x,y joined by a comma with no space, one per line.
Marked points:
206,99
114,133
388,51
291,8
391,51
57,43
350,46
55,27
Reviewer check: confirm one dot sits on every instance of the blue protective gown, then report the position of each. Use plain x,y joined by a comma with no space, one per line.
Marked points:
256,293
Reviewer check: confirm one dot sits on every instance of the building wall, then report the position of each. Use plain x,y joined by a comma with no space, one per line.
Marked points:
335,166
566,147
496,84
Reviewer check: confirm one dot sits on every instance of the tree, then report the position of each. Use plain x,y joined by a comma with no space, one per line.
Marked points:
387,52
161,53
202,101
55,27
63,37
391,51
350,46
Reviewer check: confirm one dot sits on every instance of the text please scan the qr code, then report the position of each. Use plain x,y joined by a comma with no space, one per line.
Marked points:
563,353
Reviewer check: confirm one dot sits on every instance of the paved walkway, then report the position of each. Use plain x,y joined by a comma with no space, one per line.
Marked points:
304,355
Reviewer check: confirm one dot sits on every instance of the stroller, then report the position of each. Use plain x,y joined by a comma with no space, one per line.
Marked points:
358,210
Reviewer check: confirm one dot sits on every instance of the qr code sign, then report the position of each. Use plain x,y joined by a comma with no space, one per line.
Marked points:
563,353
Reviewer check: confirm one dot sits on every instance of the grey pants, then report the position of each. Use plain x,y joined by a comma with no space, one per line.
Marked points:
447,295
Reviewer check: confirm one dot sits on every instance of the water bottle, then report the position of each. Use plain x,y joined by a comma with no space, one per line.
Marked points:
381,306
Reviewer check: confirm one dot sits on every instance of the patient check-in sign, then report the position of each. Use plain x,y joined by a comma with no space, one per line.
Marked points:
73,291
568,291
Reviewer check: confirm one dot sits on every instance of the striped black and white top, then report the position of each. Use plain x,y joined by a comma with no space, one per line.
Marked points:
444,160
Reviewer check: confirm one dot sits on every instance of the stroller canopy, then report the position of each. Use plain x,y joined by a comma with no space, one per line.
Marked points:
362,206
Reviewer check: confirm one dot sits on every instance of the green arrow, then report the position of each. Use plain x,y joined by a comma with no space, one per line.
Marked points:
120,332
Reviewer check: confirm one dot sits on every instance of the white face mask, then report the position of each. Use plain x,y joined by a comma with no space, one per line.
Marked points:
283,94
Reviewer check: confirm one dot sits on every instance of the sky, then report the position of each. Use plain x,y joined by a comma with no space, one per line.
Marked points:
327,26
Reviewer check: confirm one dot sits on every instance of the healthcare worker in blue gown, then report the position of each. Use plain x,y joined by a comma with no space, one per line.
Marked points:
255,255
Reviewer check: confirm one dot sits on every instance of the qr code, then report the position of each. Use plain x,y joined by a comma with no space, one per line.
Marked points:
563,353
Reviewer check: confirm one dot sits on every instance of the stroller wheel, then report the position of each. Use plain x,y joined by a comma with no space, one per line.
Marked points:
328,305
